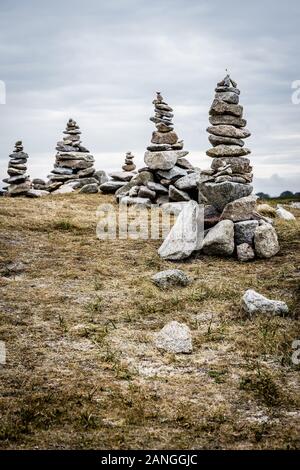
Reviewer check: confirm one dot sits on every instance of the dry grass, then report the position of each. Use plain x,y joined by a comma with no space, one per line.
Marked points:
82,371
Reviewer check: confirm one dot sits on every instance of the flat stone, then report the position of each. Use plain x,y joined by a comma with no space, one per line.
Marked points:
34,193
220,194
75,164
175,173
157,187
227,119
266,241
122,175
186,234
244,231
77,184
136,201
86,172
19,189
90,188
111,186
161,160
170,278
163,127
187,182
61,156
63,178
164,138
220,107
227,96
238,165
174,338
177,195
64,189
228,89
229,131
62,171
16,179
15,172
219,140
253,303
245,252
228,151
240,209
220,239
19,156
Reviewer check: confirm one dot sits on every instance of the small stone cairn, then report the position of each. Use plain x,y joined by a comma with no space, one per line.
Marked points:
74,165
18,182
120,178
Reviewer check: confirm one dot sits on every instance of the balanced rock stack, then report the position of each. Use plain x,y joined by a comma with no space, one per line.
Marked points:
129,165
229,213
74,166
120,178
226,188
19,183
168,175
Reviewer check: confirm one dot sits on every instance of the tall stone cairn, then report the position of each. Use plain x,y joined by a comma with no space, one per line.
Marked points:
230,208
18,182
73,161
230,176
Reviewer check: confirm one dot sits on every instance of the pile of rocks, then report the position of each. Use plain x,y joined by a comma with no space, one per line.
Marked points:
18,182
74,166
168,175
233,226
120,178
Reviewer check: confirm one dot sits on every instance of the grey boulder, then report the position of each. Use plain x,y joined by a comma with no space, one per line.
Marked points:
244,231
266,241
220,194
174,338
240,209
186,234
220,239
245,252
89,188
254,303
170,278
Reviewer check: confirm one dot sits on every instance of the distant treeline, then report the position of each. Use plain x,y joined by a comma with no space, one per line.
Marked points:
283,195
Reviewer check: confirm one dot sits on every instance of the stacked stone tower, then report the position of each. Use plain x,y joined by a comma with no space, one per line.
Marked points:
73,161
18,182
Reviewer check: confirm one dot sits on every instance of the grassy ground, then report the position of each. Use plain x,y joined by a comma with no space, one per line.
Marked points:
78,323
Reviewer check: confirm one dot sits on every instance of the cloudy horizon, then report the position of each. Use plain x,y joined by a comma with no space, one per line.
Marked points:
101,63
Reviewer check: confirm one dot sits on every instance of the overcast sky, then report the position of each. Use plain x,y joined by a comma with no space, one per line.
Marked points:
100,62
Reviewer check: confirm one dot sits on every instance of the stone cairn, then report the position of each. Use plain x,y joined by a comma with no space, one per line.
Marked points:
18,183
120,178
168,175
226,188
74,166
129,165
233,226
